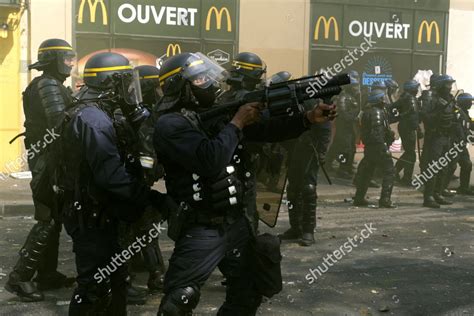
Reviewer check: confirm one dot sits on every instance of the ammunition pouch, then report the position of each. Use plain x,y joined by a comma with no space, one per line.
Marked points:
267,269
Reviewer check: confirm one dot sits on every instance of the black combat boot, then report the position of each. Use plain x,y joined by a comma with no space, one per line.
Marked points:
430,202
155,281
440,200
359,199
307,239
294,213
464,180
385,197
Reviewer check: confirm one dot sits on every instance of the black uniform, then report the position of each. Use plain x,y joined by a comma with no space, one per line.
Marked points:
438,122
98,189
98,192
409,120
44,102
462,128
305,158
206,166
343,147
377,137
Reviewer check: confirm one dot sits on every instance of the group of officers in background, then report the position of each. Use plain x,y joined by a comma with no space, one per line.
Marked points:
126,128
435,115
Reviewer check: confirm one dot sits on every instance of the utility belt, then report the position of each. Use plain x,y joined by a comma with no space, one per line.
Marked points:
187,216
83,213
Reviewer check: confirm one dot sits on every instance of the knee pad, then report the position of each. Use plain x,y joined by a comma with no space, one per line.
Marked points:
179,302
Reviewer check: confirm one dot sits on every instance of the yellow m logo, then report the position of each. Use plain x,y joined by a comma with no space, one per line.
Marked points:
327,27
173,49
218,14
429,31
92,10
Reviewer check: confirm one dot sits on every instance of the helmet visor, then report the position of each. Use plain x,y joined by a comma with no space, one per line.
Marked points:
202,72
130,87
66,62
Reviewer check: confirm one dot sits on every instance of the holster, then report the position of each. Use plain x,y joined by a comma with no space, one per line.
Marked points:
177,219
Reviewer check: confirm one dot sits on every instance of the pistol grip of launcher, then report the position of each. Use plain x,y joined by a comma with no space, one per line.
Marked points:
327,100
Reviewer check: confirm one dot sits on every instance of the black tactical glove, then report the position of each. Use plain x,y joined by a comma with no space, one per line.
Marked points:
162,203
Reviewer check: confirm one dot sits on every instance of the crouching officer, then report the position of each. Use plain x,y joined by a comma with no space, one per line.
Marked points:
209,173
377,137
44,102
97,187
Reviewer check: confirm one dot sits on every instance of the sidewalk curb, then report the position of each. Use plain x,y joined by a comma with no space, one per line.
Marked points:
16,209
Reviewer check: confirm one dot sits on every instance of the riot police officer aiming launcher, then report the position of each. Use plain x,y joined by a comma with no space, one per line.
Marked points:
208,172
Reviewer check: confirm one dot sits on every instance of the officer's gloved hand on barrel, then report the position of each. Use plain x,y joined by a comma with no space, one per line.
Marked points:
322,113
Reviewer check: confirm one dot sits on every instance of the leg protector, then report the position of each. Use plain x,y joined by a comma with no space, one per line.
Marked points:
33,250
179,302
309,199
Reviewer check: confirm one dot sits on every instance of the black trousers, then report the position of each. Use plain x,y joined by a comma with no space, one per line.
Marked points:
343,144
102,285
408,159
464,161
374,158
435,147
201,249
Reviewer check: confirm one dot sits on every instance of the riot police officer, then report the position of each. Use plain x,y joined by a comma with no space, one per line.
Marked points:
246,74
98,186
44,102
407,109
438,117
209,173
305,158
377,137
343,147
463,128
392,90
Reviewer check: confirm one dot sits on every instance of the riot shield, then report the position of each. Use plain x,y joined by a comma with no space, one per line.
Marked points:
271,182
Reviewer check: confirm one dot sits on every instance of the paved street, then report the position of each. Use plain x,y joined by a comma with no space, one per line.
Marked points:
417,261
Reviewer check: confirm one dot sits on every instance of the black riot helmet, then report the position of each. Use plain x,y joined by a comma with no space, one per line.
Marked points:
150,83
443,84
465,101
411,87
391,85
247,71
113,76
279,77
55,56
376,96
190,80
